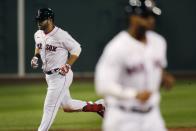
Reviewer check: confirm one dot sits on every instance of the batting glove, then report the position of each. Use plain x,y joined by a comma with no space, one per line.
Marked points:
34,62
64,69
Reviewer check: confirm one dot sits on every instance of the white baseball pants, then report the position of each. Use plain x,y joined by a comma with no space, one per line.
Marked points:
118,120
58,95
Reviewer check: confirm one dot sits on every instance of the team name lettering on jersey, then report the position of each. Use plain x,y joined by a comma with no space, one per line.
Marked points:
135,69
51,48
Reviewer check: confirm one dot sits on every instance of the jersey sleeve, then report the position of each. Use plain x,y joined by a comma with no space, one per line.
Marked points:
107,75
37,38
71,45
164,59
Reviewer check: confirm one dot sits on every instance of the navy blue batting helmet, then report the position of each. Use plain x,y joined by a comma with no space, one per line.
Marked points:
44,13
143,8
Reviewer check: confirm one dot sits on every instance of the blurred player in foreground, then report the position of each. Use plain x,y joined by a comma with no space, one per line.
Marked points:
130,71
53,46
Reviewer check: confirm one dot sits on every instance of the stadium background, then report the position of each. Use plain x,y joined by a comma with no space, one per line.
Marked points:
92,23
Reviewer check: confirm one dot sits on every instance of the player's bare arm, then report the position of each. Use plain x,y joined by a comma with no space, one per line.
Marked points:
65,68
74,54
167,80
72,59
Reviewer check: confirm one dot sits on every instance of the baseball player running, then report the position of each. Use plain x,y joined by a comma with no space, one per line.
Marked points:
130,71
53,46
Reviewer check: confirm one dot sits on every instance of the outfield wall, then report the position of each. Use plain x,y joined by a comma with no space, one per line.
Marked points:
93,23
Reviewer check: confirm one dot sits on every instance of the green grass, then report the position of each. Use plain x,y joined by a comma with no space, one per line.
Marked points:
179,105
21,107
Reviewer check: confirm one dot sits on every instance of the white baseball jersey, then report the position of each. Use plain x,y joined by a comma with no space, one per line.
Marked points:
129,65
54,47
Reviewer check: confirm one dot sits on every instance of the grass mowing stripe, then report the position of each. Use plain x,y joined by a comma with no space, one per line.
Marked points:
21,107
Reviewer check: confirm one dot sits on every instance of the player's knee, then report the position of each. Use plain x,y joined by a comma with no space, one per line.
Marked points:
66,107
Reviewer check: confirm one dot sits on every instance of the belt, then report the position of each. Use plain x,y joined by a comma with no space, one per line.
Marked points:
51,71
136,109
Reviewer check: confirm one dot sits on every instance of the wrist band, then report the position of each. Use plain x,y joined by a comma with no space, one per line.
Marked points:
38,56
